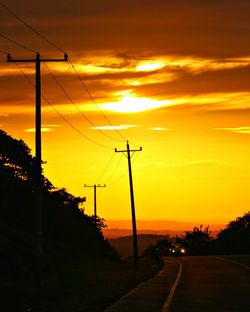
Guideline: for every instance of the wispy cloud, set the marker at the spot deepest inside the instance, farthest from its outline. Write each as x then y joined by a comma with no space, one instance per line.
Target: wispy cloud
189,164
44,128
120,127
204,163
240,130
159,129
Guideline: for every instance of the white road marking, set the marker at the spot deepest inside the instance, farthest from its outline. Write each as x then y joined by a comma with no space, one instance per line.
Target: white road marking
236,262
168,301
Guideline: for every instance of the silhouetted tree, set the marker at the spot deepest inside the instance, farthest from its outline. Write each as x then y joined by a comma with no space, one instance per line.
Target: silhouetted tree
197,242
163,246
69,234
235,238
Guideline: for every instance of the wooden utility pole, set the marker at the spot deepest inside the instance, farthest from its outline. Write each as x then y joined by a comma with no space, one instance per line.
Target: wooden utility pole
127,153
38,157
95,186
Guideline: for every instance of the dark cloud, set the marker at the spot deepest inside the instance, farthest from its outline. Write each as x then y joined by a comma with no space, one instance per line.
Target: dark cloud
131,31
204,28
216,81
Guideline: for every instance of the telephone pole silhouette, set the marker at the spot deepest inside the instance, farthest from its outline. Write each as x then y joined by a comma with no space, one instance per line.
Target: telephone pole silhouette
95,186
127,153
38,157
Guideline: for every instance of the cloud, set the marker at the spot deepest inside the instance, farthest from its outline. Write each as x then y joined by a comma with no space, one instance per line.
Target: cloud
120,127
159,129
44,128
130,45
240,130
189,164
227,80
204,163
206,28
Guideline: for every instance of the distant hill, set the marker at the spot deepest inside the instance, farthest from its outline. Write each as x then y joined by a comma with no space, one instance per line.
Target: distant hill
111,233
124,245
121,228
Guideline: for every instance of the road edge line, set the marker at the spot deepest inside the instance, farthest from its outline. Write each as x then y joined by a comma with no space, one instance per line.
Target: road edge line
236,262
168,301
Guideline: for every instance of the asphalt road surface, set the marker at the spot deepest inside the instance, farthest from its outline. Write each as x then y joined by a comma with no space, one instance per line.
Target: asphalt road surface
213,284
193,284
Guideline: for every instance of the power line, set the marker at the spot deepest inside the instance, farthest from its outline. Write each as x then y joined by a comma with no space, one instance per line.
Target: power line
123,174
106,168
4,52
18,44
77,74
30,27
93,100
73,103
61,116
114,171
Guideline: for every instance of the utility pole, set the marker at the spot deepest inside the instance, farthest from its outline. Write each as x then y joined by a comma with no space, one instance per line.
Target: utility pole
128,155
38,157
95,186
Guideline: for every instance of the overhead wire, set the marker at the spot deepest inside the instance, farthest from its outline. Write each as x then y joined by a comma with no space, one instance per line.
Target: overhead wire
105,169
61,116
76,106
94,101
124,139
114,171
125,171
30,27
78,76
20,45
4,52
63,51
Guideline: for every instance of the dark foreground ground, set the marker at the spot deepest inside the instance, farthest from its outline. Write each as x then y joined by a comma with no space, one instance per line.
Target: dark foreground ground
75,287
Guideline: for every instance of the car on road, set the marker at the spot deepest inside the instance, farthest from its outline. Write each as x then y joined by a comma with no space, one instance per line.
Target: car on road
177,250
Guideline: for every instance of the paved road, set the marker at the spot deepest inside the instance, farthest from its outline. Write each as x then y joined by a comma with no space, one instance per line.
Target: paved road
213,284
193,284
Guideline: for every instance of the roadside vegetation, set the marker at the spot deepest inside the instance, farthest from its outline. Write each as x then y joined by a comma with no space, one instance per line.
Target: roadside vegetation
232,240
80,270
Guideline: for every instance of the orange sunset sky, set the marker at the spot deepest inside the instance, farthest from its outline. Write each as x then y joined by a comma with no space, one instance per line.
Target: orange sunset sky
170,76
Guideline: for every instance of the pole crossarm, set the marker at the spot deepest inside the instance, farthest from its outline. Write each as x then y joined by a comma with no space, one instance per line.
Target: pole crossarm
95,185
125,151
10,59
128,155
